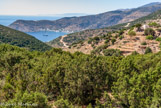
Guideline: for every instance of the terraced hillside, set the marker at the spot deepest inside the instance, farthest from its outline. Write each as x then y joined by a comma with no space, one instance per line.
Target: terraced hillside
136,39
84,35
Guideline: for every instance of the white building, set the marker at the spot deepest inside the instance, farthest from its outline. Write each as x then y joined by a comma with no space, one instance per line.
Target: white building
145,26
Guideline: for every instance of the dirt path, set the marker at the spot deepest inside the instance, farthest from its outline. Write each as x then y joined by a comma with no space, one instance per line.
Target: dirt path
61,40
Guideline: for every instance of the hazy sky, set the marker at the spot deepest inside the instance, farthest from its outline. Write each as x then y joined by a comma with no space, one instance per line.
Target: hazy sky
47,7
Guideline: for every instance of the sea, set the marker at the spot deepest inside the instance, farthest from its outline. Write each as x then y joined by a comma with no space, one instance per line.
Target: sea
44,36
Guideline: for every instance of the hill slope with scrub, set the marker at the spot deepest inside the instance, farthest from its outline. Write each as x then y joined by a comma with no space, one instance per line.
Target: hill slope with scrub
17,38
61,79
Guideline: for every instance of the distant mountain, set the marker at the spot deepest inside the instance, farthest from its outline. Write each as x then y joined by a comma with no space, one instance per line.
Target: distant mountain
17,38
74,24
84,35
64,15
152,4
70,14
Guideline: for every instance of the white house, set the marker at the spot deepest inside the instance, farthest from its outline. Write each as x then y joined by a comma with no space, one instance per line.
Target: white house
145,26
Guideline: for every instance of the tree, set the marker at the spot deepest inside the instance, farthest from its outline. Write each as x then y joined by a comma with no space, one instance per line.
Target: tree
135,53
108,102
144,43
31,100
149,31
148,50
157,96
61,103
132,33
113,41
112,52
138,26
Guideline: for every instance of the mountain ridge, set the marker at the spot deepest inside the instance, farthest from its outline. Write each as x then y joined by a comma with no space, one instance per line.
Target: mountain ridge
75,24
79,37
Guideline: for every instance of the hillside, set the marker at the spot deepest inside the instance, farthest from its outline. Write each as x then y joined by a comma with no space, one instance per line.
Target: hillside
126,41
84,35
74,24
59,79
17,38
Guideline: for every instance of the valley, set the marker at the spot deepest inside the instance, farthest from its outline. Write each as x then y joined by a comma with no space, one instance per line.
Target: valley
108,60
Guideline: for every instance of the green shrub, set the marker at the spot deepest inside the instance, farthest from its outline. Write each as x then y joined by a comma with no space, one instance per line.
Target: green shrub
89,41
150,37
107,41
149,31
148,50
113,41
132,33
30,100
135,53
79,78
121,37
99,49
160,46
143,43
63,104
96,38
109,103
112,52
138,26
89,106
121,32
158,39
153,24
116,36
132,28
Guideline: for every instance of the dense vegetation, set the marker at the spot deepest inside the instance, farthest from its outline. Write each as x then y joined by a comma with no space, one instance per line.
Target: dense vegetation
21,39
73,80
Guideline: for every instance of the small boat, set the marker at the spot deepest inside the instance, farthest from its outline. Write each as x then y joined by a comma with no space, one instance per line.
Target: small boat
45,35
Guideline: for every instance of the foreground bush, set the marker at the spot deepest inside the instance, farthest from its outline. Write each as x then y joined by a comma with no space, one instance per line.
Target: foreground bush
80,79
29,100
63,104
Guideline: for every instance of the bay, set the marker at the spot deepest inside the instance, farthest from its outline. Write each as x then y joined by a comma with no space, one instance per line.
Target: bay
44,36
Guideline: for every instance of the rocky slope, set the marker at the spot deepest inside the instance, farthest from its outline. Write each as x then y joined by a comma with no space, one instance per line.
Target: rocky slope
122,41
84,35
74,24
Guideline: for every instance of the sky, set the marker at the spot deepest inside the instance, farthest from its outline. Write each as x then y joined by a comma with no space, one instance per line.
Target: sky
51,7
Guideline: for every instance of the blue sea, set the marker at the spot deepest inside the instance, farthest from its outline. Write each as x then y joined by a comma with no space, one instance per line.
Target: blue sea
49,35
